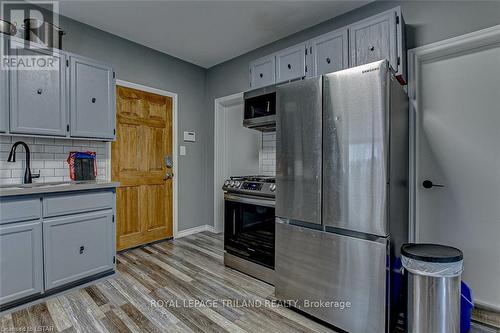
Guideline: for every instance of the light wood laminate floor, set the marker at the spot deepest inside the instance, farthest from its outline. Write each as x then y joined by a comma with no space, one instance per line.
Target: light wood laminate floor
174,274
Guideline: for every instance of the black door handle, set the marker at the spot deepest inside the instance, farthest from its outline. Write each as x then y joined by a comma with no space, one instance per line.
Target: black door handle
429,184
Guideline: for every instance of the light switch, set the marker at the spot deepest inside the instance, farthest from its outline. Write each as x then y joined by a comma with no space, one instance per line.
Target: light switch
182,150
189,136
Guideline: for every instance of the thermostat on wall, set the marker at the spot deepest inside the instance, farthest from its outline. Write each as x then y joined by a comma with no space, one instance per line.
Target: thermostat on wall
189,136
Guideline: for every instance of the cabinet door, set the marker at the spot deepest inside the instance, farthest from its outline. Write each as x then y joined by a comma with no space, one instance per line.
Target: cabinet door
77,246
374,39
21,269
92,95
291,63
262,72
4,97
38,97
330,52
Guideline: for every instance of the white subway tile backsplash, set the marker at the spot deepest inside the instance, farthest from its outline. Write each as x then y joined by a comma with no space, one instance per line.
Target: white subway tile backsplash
54,164
61,172
5,174
54,149
267,154
48,156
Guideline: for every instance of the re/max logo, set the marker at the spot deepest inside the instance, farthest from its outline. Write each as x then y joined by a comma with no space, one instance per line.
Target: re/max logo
370,70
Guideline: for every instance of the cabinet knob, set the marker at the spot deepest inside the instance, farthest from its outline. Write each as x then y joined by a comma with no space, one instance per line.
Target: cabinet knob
371,48
328,60
261,75
93,99
82,249
39,91
429,184
289,66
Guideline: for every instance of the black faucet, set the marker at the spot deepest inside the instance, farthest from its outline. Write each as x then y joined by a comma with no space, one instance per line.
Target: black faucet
28,178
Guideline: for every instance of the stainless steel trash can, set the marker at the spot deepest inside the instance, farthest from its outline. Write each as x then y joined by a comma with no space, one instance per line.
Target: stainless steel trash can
434,275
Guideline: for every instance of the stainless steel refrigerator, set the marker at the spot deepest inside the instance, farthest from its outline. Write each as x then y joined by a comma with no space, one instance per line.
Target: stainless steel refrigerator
342,194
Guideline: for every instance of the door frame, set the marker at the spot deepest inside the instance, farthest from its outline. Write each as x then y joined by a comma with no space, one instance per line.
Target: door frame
220,152
175,118
425,54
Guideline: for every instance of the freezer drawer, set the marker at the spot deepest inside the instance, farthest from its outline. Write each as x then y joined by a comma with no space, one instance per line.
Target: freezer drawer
313,265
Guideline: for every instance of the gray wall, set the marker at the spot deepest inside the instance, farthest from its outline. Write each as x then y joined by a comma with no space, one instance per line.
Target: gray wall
427,22
138,64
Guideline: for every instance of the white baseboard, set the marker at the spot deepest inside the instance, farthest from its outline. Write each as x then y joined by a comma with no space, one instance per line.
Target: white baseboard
195,230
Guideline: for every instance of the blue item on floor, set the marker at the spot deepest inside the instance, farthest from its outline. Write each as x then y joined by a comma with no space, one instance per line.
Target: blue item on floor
466,306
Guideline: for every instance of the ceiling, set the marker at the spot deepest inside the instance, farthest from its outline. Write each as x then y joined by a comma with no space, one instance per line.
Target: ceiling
207,32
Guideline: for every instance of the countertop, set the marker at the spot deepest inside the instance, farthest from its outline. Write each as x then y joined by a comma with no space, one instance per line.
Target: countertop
42,188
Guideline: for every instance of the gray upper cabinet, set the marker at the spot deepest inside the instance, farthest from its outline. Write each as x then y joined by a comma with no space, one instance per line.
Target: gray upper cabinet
77,246
4,97
291,63
21,271
378,37
38,97
262,72
330,52
92,99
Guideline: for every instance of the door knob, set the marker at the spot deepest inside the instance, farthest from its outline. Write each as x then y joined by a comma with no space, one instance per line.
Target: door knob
328,60
289,66
371,48
429,184
168,176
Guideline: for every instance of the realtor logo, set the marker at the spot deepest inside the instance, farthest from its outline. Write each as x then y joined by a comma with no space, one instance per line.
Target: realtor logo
35,31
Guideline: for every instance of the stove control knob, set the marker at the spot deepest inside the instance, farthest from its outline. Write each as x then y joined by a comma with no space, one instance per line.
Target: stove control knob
238,183
226,183
272,187
231,183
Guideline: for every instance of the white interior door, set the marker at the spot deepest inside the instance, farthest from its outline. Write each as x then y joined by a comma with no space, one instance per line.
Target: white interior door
458,146
237,149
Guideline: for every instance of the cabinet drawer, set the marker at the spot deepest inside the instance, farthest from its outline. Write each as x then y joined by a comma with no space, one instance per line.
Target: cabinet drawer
19,209
77,246
65,204
291,63
20,260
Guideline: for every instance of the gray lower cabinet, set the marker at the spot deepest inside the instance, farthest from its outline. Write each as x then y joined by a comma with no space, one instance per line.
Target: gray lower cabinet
291,63
330,52
38,97
51,240
4,97
21,267
77,246
92,95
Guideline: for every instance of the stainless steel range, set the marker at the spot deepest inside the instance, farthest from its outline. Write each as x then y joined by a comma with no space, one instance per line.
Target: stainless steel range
249,225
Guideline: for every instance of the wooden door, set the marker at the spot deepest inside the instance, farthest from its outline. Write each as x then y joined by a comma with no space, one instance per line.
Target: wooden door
143,140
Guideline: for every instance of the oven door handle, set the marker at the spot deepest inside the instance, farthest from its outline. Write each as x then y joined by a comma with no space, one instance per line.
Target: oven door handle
249,200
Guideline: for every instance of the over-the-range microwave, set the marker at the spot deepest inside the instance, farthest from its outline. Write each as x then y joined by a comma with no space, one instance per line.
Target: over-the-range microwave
260,109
